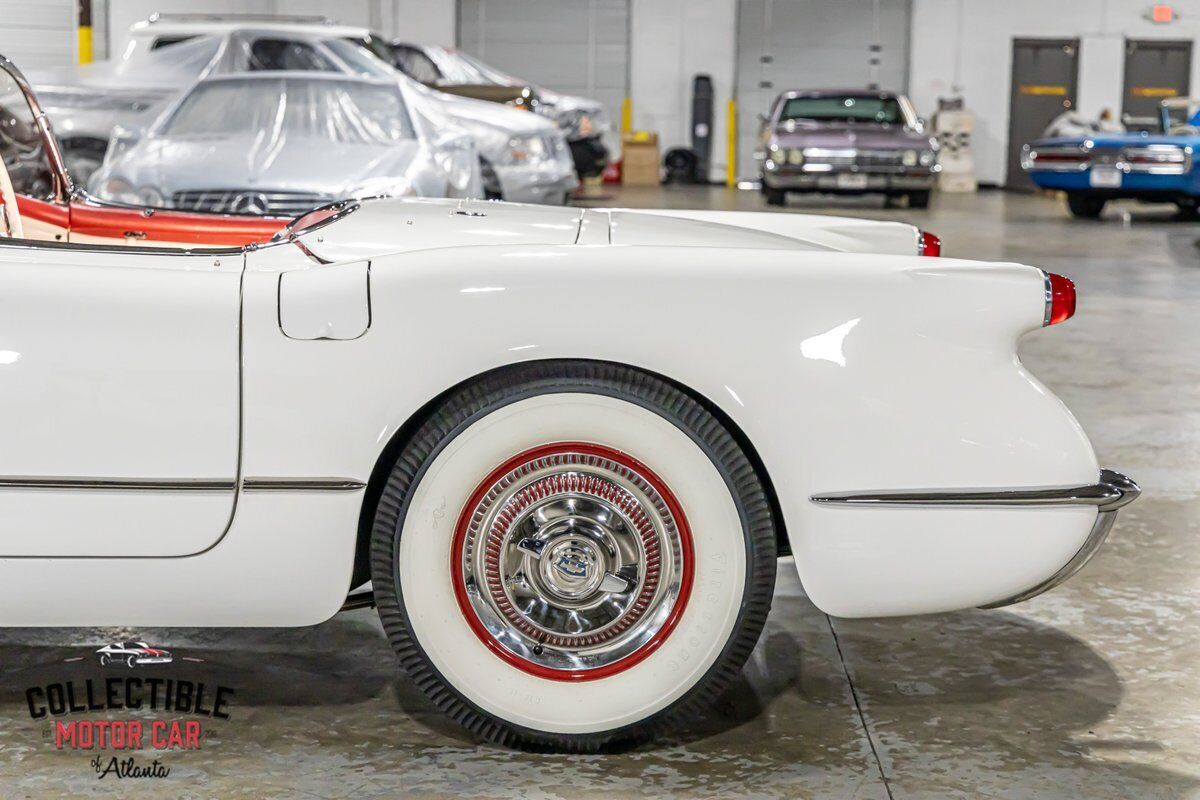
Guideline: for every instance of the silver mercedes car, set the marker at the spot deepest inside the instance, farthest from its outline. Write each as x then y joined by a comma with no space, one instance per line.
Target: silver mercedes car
281,143
523,157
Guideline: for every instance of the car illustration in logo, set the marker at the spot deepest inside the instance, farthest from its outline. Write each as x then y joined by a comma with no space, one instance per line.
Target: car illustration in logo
133,654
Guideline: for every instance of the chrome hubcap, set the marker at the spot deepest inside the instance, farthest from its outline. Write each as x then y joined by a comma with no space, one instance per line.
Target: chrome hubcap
572,559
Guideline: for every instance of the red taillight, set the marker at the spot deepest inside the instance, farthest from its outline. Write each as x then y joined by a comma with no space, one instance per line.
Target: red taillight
1060,299
931,245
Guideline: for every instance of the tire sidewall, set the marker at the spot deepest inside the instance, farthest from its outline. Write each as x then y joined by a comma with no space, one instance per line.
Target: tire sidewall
555,706
730,477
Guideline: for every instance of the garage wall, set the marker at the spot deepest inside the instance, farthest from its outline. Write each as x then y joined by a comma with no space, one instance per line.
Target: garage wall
420,21
123,13
578,47
37,34
814,44
670,42
966,46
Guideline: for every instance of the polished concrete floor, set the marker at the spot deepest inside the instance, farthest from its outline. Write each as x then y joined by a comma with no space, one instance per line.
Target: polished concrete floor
1091,691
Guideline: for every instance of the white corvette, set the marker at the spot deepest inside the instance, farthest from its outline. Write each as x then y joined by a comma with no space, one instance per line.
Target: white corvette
565,446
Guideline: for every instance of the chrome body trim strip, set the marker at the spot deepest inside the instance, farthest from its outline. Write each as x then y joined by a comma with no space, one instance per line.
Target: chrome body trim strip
302,485
1096,538
1049,298
1113,491
72,484
116,484
1128,491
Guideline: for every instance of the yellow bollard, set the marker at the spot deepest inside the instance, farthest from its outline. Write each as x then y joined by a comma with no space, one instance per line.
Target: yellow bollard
85,31
731,144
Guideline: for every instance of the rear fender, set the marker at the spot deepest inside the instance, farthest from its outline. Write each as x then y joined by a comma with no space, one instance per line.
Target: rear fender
846,372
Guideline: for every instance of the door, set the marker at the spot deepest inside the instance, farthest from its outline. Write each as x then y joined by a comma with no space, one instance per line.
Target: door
1154,71
814,44
1044,78
576,47
119,399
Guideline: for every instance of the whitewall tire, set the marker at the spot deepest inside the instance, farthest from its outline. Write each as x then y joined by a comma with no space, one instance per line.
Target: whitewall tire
568,555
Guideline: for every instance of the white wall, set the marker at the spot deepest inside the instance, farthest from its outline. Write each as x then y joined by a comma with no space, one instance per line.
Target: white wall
671,41
420,21
37,34
966,46
123,13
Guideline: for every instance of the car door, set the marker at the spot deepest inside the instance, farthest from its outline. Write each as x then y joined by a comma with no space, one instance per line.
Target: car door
119,399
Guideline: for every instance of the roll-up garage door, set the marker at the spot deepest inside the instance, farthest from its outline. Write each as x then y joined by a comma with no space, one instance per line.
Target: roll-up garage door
815,44
37,34
578,47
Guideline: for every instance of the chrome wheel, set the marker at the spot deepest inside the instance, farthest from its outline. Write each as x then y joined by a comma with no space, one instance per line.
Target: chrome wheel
572,561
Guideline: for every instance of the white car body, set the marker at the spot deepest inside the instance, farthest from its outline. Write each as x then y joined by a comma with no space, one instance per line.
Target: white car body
205,422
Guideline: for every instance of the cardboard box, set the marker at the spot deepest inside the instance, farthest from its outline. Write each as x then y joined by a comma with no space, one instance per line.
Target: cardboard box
640,159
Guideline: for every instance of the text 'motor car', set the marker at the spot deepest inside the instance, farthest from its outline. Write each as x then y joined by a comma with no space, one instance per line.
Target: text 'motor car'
565,446
846,143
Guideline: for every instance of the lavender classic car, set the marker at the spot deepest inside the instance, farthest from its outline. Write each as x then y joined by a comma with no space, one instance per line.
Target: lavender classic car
848,142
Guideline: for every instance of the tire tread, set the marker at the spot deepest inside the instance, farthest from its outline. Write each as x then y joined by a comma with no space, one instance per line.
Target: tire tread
485,394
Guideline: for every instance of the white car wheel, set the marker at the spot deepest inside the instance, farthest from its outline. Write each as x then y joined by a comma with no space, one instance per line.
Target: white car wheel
570,554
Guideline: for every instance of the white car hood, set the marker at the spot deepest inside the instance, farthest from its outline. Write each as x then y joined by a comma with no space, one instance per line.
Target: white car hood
402,224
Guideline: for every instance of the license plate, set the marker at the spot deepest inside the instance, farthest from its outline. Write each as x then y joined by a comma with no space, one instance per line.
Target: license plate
1106,177
852,181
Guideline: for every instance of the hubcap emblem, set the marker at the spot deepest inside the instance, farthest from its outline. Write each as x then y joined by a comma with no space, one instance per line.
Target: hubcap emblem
572,564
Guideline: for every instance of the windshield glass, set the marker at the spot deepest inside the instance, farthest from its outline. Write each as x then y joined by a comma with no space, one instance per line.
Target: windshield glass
459,68
275,54
342,111
360,60
373,45
21,144
843,108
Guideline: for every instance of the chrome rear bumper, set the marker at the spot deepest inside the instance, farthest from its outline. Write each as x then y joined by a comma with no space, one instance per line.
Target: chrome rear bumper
1109,494
1118,491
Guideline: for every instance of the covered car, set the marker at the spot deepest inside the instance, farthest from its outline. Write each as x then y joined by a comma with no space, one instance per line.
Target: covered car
87,101
583,120
1097,167
846,142
524,157
43,202
285,142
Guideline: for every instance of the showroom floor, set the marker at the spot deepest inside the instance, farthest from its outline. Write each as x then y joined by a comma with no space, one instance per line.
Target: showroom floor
1089,691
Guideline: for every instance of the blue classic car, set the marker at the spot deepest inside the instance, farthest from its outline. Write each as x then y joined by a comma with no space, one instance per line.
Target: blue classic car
1156,167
